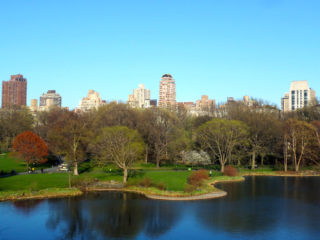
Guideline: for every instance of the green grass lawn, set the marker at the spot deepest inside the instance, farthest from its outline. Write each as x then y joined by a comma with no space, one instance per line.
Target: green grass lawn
102,175
34,181
173,180
7,164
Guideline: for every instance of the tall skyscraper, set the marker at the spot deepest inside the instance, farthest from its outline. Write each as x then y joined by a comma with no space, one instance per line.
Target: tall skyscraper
299,96
14,91
49,100
140,97
167,92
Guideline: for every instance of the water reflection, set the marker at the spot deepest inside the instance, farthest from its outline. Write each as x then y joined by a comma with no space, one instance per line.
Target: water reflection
27,207
259,208
263,204
114,215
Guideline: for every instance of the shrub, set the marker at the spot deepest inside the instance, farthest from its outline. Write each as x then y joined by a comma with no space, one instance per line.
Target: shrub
197,177
230,171
196,158
145,182
160,186
81,183
189,188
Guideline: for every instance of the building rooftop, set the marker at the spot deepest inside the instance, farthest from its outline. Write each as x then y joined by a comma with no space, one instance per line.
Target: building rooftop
167,75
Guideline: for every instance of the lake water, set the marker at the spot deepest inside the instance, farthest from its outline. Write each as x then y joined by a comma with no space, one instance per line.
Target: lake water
259,208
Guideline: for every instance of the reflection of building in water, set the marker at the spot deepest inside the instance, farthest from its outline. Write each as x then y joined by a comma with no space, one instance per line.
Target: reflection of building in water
92,101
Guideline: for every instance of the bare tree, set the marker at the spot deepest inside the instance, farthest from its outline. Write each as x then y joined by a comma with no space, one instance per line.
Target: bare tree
300,136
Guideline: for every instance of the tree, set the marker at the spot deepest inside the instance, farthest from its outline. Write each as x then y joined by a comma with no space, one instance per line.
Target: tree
68,136
30,147
160,130
316,125
221,136
263,131
13,120
121,145
299,135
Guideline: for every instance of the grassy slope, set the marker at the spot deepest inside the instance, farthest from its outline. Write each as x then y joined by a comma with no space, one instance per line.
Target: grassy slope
34,181
173,180
7,164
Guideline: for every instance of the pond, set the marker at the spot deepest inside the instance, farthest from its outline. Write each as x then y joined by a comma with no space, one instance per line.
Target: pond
259,208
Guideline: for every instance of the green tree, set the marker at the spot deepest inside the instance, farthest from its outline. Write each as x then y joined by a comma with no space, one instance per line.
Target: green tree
121,145
220,137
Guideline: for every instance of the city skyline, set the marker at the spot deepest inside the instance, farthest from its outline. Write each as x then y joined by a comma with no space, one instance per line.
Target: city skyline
34,101
219,49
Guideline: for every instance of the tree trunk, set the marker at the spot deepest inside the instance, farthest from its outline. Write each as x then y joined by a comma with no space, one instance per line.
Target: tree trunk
157,160
285,153
239,163
125,175
297,167
75,170
146,156
253,160
222,167
69,178
285,163
262,158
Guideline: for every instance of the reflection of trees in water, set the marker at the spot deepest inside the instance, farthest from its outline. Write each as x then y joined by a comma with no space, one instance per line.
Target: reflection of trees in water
242,210
161,216
261,203
27,206
68,216
114,215
118,215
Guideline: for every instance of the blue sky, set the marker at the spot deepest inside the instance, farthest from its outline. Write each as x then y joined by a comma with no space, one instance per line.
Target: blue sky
216,47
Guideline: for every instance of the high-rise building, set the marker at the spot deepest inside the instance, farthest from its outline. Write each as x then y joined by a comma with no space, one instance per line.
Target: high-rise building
285,103
153,102
299,96
140,97
14,91
34,105
167,92
92,101
49,100
205,106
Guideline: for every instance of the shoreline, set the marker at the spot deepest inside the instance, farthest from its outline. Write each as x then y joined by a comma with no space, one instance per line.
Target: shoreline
216,193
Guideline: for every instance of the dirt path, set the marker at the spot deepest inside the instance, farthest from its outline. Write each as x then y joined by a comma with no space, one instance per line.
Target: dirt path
190,198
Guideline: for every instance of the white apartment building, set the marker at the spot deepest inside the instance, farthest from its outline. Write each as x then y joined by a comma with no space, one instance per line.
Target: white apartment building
92,101
140,97
299,96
